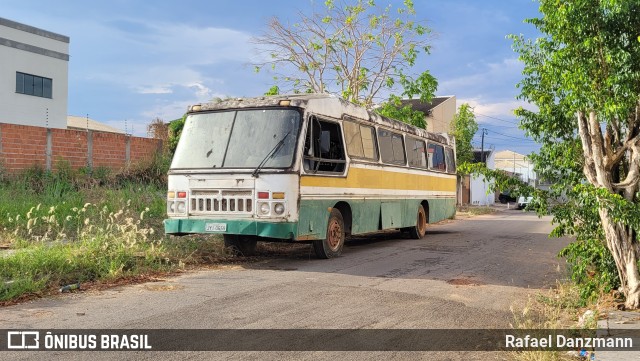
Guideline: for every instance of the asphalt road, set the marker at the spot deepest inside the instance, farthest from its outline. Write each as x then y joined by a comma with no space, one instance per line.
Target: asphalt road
464,274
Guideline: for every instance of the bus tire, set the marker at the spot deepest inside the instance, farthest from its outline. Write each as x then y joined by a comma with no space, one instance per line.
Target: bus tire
333,243
240,245
420,229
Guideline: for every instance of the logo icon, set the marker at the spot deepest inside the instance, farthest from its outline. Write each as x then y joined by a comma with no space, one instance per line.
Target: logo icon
23,340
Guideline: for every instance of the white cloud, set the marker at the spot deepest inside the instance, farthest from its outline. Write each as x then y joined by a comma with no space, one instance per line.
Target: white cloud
499,109
158,89
174,108
488,75
156,57
201,91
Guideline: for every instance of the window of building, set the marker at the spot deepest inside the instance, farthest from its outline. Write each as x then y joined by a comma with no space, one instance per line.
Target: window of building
360,140
436,157
34,85
416,153
391,147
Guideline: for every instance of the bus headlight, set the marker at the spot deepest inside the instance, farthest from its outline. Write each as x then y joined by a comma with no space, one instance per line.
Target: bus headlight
171,207
278,208
264,208
181,207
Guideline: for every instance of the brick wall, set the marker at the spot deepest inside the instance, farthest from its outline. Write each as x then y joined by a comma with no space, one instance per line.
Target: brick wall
70,145
109,150
23,146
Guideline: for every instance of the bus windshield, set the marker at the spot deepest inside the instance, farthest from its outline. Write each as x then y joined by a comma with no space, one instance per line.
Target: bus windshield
238,139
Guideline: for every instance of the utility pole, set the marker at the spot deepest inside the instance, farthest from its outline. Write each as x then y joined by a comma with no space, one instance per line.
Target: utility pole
484,132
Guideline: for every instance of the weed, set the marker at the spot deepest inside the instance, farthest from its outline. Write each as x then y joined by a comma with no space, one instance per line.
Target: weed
106,245
555,310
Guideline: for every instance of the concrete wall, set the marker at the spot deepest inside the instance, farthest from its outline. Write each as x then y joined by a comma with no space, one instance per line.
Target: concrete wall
479,186
37,52
441,116
23,146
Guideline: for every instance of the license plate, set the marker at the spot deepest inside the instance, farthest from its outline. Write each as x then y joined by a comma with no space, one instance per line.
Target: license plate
215,227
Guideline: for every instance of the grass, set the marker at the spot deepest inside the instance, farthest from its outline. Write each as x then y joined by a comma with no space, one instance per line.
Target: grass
558,309
64,228
470,211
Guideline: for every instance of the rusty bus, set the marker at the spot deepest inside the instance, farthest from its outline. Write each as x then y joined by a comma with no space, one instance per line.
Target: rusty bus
308,168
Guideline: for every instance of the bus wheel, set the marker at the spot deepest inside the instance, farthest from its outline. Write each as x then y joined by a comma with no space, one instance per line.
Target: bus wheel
332,245
420,229
240,245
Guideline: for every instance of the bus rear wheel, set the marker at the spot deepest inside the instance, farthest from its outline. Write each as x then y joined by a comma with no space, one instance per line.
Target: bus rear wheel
240,245
420,229
333,243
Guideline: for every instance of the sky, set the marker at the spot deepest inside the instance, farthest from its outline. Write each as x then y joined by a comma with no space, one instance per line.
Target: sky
132,61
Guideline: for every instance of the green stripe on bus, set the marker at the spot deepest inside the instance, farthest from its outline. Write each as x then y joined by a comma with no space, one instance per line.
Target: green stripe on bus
369,215
282,230
366,216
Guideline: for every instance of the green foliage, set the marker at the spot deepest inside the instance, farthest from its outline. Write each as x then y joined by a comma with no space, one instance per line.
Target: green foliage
394,109
423,88
151,171
175,129
354,49
463,128
274,90
591,267
583,75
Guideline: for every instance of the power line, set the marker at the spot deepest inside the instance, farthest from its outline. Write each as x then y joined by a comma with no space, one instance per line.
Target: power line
510,136
502,120
502,137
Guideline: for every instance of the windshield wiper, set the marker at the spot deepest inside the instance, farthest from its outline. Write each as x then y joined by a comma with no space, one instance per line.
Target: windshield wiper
270,154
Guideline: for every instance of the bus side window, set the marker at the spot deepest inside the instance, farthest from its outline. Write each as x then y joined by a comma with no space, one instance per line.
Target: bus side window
323,149
451,161
436,157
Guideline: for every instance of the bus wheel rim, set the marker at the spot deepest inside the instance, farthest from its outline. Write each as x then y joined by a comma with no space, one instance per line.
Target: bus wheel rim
333,238
422,222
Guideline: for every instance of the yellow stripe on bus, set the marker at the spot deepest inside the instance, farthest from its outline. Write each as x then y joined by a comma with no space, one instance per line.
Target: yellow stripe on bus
380,179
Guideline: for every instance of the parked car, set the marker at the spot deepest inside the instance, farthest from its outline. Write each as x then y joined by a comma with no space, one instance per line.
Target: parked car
505,197
523,202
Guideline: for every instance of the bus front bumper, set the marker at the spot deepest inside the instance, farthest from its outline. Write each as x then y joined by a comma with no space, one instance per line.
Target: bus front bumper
282,230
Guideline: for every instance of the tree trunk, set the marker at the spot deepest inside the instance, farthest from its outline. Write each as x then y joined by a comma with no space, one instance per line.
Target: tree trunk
620,243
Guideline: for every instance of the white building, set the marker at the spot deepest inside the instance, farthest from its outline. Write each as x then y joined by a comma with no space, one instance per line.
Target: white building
34,69
479,186
516,163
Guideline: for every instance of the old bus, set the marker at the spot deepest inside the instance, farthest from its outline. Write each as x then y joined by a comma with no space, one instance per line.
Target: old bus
309,168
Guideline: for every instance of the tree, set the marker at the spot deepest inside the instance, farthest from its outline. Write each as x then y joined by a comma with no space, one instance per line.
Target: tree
463,128
175,130
583,74
158,129
356,51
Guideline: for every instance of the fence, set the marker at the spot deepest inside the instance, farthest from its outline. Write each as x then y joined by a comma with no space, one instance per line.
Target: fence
23,146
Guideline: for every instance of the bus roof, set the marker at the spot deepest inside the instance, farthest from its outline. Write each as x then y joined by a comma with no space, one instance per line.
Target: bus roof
321,104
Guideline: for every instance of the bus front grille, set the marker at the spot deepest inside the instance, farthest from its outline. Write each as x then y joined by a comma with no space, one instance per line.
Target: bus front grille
221,202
